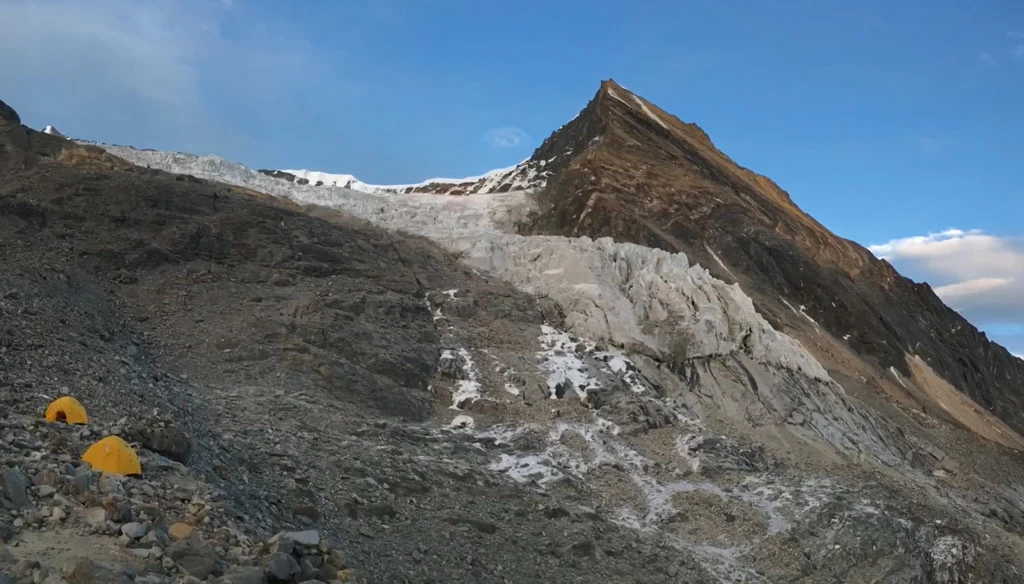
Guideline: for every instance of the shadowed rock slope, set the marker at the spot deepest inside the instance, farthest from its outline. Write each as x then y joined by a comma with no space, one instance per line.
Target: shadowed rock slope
626,169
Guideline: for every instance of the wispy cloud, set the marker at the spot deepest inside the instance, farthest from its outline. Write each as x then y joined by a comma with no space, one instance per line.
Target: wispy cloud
980,275
159,67
985,61
507,137
146,50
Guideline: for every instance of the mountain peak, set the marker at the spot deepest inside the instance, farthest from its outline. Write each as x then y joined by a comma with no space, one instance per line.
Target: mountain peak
7,113
626,169
53,131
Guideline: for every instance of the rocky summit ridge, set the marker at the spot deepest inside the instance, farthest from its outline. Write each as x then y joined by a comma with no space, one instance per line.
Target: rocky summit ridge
575,379
626,169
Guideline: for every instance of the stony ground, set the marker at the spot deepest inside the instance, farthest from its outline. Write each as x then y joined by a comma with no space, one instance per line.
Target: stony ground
297,355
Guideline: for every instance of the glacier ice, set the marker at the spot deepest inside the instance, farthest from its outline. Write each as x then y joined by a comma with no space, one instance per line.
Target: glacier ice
633,296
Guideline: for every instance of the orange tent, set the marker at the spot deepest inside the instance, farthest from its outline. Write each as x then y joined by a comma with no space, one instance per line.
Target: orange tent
67,409
113,455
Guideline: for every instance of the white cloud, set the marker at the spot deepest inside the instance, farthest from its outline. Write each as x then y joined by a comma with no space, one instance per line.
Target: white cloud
971,287
507,137
1018,51
979,275
149,70
985,61
149,50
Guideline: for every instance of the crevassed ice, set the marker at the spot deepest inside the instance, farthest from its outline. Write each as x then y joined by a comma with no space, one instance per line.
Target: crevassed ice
633,296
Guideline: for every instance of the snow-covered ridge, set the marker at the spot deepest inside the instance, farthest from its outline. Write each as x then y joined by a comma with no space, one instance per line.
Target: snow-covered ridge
53,131
523,176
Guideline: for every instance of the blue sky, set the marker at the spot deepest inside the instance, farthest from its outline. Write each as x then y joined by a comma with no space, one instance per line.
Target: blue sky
896,124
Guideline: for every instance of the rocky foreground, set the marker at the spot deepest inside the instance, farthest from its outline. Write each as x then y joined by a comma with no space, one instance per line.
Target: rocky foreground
69,523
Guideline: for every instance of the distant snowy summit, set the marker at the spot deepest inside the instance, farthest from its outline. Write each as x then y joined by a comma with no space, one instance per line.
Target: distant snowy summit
53,131
527,175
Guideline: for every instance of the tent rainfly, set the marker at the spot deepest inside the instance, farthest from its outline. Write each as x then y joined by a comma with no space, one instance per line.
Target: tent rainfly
113,455
67,409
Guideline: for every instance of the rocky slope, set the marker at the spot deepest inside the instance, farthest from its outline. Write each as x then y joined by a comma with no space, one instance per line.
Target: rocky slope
626,169
654,417
297,353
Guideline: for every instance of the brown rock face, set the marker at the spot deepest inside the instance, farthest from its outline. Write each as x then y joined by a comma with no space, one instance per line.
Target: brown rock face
626,169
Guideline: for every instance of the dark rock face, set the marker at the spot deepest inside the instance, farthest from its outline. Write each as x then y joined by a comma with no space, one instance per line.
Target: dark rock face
316,295
627,170
8,114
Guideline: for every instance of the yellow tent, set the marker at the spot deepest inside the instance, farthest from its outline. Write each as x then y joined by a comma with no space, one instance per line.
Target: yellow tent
113,455
67,409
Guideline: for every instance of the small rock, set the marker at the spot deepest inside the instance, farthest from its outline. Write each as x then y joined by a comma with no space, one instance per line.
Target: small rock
307,570
327,573
79,485
282,568
95,516
53,578
200,566
46,478
134,530
58,514
46,491
86,571
180,531
15,485
346,575
336,558
156,537
245,575
25,567
6,533
583,548
282,544
306,510
309,538
167,441
119,510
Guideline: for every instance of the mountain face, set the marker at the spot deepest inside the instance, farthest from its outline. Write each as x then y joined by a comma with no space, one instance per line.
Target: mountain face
628,170
523,385
304,356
